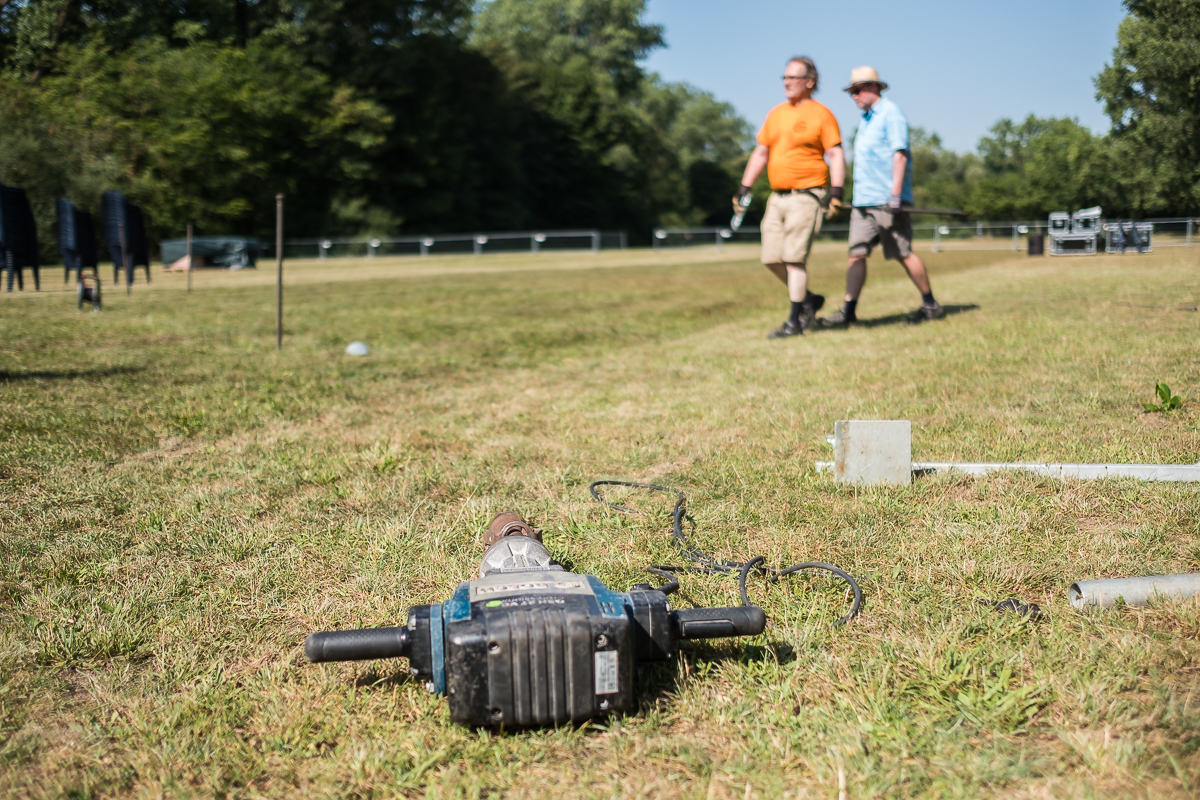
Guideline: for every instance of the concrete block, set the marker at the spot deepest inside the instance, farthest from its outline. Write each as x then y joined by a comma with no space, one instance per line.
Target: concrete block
872,452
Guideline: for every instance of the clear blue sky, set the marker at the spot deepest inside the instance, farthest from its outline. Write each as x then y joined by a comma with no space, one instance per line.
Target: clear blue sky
954,67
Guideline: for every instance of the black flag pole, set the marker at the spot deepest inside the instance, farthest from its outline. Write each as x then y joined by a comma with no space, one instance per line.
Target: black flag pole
189,254
279,272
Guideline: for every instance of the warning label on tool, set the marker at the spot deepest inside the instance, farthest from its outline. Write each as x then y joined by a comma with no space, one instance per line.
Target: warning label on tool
538,583
606,672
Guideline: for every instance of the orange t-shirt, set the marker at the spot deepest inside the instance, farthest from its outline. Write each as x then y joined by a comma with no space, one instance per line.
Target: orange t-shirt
798,137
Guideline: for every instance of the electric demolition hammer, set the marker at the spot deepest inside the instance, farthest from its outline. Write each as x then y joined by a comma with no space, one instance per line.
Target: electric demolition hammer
530,644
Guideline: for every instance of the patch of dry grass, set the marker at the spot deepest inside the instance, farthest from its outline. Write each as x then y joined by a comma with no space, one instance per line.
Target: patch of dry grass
180,505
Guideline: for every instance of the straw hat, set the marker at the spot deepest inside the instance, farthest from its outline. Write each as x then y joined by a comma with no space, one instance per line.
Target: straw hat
861,75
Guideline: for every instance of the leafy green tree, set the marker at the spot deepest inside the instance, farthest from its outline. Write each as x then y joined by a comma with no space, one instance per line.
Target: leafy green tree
1152,95
1038,166
576,63
32,30
941,177
705,143
656,153
604,38
467,152
374,115
339,36
205,133
49,161
37,31
345,38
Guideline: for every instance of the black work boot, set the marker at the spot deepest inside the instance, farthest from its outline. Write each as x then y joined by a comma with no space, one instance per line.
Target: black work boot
812,304
788,328
927,311
838,319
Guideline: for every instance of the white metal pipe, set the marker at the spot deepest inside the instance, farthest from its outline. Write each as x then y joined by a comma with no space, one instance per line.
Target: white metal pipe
1145,472
1134,591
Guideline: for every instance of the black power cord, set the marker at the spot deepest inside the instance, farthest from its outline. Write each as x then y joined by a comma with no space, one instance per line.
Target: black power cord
710,567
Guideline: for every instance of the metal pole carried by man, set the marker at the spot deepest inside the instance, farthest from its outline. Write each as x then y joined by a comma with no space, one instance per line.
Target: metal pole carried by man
792,146
882,193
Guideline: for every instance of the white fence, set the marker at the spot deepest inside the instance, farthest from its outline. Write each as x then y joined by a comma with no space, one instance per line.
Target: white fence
454,244
1168,232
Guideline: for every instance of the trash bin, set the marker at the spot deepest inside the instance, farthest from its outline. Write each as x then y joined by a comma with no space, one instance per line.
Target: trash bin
1037,244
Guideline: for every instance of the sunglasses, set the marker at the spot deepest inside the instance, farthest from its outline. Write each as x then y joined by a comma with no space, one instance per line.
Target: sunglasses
787,78
859,89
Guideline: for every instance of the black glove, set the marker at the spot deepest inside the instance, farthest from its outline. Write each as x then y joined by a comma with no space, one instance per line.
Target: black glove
741,200
833,203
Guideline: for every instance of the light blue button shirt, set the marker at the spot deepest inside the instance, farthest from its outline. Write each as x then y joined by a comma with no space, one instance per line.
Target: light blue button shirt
883,131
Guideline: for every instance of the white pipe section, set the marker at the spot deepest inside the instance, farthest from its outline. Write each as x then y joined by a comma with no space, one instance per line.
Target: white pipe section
1145,472
1135,591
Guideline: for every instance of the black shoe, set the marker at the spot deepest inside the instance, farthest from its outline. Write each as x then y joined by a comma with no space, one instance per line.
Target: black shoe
808,313
787,329
925,312
837,319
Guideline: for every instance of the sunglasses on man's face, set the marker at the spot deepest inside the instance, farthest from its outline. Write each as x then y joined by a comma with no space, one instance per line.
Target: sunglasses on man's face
858,90
787,78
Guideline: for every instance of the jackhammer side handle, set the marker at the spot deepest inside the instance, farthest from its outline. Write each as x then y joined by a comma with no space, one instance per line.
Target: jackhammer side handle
714,623
360,645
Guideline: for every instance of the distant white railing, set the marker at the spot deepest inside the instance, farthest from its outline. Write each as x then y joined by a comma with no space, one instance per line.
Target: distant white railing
456,243
1007,235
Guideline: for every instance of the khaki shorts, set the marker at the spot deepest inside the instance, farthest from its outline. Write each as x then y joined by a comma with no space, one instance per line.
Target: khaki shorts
872,226
789,226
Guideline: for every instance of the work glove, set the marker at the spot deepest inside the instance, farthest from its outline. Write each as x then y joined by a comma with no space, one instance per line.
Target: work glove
833,203
741,200
894,203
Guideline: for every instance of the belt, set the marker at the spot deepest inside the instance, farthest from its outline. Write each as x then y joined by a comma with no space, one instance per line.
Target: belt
823,202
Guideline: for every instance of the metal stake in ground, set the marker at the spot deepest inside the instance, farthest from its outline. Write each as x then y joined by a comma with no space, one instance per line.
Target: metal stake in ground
125,259
279,272
189,245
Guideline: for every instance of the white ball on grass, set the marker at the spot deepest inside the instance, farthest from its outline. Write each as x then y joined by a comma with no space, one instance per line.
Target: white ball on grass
357,349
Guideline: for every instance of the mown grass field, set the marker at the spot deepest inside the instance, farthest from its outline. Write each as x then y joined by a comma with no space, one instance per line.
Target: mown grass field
180,505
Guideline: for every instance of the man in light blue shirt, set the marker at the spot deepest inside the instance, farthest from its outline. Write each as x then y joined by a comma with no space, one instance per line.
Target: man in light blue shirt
882,187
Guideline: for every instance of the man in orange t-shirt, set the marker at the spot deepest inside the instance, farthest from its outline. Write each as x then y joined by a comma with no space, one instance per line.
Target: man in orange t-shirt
793,144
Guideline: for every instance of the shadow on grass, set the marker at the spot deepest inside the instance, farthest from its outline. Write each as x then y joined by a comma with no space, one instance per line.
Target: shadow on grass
68,374
902,319
563,561
657,682
401,677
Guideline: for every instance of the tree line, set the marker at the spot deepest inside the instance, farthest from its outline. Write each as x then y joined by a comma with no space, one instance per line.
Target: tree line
388,116
372,116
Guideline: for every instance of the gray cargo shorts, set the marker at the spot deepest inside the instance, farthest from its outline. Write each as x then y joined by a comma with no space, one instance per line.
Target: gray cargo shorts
872,226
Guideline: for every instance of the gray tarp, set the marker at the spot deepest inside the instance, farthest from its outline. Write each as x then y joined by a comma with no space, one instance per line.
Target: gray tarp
234,252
